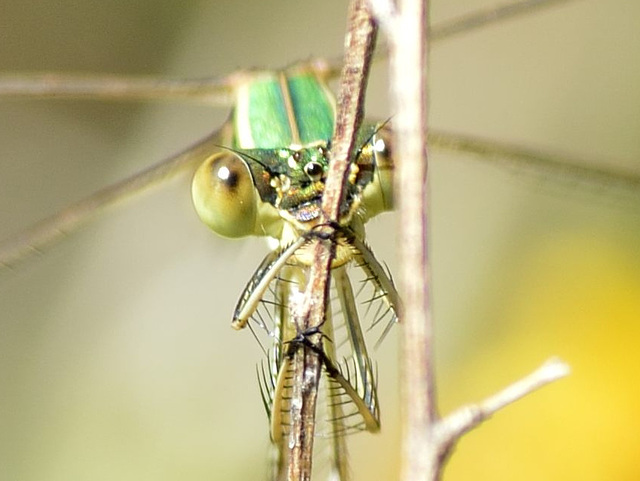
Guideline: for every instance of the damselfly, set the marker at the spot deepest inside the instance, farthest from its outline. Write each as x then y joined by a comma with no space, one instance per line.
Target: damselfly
270,182
87,352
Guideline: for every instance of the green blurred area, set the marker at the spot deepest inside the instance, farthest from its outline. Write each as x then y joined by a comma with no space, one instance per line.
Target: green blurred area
116,356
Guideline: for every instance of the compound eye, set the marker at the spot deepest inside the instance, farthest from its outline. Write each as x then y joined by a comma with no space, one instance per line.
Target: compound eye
378,195
314,170
224,195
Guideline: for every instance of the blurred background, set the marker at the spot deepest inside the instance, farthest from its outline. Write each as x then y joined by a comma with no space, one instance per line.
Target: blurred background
117,360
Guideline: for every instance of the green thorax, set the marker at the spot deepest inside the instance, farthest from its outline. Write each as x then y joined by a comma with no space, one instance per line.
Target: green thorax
283,109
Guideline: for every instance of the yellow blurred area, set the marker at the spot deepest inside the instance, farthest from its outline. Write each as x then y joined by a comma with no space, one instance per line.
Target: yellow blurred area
578,299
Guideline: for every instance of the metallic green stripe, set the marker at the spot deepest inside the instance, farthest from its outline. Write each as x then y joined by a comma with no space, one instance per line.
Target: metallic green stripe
313,109
261,118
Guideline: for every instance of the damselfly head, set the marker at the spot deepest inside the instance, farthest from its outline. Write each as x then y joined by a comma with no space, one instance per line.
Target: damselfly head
292,180
271,178
257,191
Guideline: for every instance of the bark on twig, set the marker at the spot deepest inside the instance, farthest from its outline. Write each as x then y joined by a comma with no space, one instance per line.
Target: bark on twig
359,43
427,439
406,35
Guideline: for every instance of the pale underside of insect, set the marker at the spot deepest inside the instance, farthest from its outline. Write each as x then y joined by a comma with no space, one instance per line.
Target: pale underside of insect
222,314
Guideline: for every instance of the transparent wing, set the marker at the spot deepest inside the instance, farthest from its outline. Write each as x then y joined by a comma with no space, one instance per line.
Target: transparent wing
354,318
40,236
212,91
536,162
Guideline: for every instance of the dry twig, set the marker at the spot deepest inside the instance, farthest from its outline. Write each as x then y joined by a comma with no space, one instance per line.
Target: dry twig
309,316
427,439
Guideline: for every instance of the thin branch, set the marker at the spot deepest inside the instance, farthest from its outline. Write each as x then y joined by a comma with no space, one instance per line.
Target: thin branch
406,29
427,438
43,234
309,316
450,429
